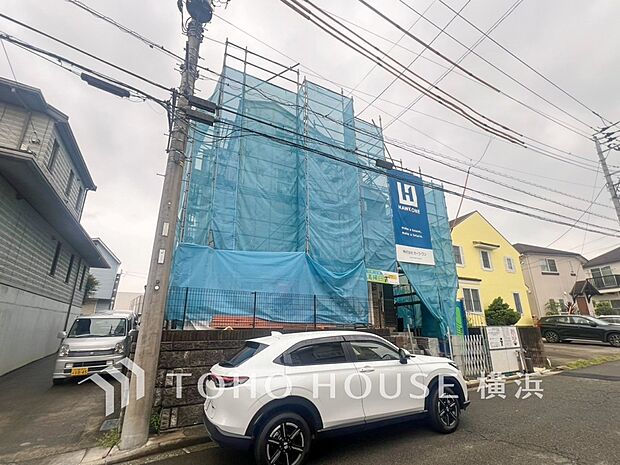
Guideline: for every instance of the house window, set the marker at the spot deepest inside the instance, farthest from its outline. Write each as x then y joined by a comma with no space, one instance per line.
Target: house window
53,156
56,257
510,265
69,183
548,265
78,201
603,277
485,258
457,250
471,299
518,305
71,260
82,278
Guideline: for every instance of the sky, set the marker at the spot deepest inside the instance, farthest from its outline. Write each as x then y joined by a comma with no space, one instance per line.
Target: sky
571,42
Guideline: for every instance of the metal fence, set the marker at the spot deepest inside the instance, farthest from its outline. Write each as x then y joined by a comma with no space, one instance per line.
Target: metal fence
471,354
199,308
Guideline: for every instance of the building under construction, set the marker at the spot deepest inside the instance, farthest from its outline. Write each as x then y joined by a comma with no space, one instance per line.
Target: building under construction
286,218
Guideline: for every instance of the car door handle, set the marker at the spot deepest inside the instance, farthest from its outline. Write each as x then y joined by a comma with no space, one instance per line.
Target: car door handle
367,370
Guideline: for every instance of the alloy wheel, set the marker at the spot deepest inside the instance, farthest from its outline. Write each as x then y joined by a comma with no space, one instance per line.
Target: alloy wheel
552,336
614,340
285,444
448,410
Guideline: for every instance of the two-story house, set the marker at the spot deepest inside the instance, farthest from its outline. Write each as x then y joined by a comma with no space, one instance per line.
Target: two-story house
488,267
45,253
604,273
551,276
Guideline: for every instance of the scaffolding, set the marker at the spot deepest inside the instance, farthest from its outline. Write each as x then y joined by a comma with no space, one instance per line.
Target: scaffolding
276,185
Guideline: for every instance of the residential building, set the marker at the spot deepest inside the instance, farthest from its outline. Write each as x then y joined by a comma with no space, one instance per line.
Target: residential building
551,276
604,273
129,301
278,235
45,253
488,267
108,279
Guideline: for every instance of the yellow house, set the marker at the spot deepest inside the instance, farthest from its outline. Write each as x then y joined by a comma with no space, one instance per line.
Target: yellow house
488,267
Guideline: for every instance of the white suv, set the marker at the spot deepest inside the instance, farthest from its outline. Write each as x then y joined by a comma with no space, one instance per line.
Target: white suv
279,392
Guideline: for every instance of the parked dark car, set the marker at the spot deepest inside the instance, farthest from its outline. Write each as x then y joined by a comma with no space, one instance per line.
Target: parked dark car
610,319
560,328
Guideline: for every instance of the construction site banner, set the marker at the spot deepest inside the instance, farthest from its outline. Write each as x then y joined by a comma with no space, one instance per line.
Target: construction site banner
411,229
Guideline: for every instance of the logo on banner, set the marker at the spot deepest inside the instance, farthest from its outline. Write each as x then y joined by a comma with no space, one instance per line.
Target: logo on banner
407,195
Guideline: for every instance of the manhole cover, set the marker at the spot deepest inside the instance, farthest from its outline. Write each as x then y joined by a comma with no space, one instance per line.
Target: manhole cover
109,425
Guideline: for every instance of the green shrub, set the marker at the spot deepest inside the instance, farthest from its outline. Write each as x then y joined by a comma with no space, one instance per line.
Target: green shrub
499,313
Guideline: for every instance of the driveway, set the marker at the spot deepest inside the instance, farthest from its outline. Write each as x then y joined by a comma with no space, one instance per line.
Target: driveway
574,423
565,352
38,420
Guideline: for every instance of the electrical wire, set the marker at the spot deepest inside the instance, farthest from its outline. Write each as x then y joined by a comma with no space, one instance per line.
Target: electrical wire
513,79
494,127
389,86
318,75
568,94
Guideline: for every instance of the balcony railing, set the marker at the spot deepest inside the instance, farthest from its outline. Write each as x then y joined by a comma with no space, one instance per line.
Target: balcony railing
610,281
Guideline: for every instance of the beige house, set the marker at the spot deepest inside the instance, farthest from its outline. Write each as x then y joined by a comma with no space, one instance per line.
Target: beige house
551,277
604,273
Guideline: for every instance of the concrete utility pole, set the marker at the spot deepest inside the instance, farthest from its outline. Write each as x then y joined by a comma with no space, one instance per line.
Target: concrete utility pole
136,421
611,185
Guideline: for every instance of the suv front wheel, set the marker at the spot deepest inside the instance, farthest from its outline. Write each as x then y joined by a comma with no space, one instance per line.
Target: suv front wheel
444,411
283,440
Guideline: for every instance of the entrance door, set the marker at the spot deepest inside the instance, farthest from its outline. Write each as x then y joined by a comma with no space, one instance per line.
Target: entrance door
582,305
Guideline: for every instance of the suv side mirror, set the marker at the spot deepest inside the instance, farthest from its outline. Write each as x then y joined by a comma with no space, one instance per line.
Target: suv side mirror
133,332
61,334
404,355
593,324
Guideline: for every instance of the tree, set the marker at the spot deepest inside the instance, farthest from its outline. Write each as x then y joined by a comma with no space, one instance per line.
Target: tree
499,313
552,307
91,286
603,308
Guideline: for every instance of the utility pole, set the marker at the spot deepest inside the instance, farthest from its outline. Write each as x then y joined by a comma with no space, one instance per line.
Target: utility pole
136,420
611,185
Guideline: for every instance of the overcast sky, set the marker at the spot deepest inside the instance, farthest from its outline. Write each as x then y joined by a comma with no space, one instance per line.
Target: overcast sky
572,42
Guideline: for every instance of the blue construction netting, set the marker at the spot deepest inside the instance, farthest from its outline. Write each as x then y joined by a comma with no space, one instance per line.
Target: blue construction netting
292,220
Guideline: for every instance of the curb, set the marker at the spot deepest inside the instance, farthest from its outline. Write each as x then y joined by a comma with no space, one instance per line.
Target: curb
155,445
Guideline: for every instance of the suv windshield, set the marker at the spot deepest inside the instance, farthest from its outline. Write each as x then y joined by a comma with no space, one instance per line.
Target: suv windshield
98,327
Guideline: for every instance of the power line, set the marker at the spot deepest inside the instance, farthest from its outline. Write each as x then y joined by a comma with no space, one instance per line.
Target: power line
429,185
8,59
83,52
494,128
568,94
380,94
469,50
58,57
316,74
414,149
516,81
394,45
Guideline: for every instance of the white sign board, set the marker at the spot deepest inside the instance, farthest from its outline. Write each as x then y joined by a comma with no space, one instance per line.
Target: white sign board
505,348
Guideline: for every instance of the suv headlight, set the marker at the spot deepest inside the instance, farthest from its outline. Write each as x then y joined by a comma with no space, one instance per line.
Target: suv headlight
119,348
64,350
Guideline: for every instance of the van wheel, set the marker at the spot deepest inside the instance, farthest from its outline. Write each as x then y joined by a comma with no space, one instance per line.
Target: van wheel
283,440
444,411
552,336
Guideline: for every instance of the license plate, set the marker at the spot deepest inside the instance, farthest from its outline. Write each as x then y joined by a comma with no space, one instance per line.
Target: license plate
79,371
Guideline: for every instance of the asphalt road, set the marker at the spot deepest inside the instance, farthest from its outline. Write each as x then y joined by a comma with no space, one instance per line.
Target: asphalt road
565,352
39,420
576,422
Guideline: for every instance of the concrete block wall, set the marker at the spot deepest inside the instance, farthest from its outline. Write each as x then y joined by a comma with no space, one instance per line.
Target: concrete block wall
194,352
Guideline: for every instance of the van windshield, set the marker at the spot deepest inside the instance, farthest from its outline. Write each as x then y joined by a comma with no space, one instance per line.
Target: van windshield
98,327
